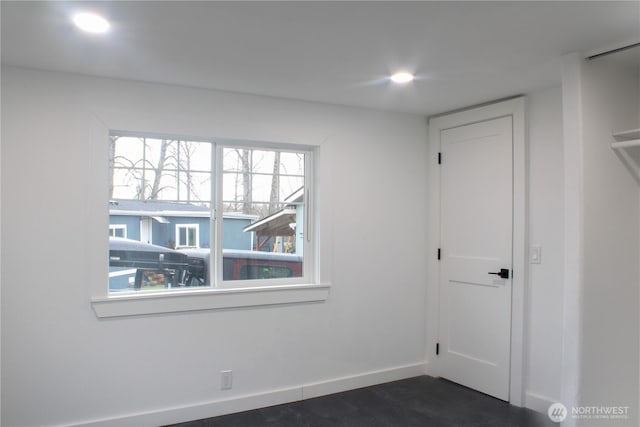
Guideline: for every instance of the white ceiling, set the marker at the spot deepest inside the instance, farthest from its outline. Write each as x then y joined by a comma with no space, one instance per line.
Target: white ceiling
463,53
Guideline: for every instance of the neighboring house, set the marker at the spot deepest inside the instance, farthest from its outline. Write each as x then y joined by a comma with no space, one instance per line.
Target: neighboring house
175,225
281,227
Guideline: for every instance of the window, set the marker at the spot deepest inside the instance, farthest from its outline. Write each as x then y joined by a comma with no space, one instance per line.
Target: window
118,230
269,186
207,214
187,236
159,169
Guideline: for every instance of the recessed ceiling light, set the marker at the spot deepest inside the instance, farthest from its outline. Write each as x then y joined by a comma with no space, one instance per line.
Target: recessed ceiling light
402,77
91,23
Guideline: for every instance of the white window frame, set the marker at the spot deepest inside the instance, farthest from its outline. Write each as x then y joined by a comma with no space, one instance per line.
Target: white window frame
114,227
187,227
221,294
308,265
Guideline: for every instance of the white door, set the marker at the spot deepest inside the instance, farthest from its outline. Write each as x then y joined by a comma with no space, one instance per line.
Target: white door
146,227
476,221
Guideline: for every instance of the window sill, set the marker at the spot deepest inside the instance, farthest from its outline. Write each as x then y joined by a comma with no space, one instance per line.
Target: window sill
206,299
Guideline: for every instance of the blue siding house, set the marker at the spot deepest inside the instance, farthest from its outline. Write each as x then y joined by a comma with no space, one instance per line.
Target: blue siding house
176,225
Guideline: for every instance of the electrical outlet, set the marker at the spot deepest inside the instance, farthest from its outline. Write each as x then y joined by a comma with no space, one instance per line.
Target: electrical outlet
226,380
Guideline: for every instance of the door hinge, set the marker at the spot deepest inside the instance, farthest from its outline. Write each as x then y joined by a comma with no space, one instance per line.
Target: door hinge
437,349
439,158
438,254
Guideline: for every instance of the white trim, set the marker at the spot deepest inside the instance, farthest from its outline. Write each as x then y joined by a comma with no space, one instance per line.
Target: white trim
538,402
199,411
187,227
352,382
520,251
115,227
310,265
254,225
185,300
217,228
160,219
515,108
248,294
238,215
258,400
181,214
573,288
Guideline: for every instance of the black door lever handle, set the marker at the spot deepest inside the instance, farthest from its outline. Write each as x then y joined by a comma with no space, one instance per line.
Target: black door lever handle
503,273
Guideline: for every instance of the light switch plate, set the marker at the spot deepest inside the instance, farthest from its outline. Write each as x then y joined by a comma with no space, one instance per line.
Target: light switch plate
535,255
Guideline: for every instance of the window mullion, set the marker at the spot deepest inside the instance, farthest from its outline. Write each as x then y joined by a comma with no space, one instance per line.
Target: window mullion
215,231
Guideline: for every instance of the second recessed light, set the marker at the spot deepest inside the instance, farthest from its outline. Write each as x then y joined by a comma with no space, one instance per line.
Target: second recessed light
402,77
91,23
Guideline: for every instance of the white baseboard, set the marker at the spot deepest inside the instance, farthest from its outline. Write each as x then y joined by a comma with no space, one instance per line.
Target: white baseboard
200,410
337,385
538,402
259,400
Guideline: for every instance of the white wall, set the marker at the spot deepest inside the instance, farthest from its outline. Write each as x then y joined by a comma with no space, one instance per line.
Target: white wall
609,368
601,322
546,229
62,365
0,251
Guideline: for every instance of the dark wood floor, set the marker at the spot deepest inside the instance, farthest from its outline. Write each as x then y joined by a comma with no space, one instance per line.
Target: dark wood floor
421,401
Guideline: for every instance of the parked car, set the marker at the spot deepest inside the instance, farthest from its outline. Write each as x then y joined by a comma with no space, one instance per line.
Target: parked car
134,264
137,265
242,265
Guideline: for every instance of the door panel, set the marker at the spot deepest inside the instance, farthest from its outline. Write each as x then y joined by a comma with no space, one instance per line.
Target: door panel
146,227
476,239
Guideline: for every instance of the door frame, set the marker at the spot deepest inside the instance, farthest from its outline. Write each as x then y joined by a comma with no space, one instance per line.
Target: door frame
515,108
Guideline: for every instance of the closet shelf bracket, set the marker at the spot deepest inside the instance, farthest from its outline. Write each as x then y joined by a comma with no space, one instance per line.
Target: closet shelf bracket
626,145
